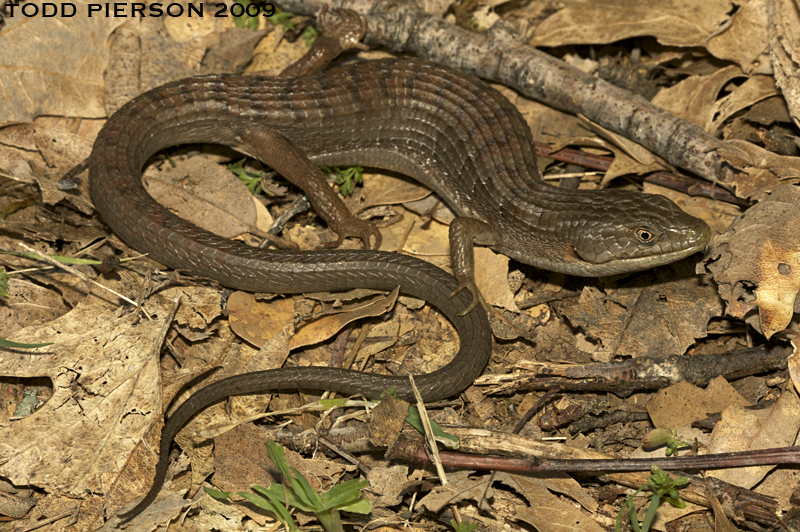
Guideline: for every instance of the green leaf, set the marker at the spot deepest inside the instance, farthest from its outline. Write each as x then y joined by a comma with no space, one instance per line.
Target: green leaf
361,506
276,508
244,20
415,421
278,457
309,35
346,177
301,495
284,495
58,258
252,180
681,481
391,391
9,343
218,494
331,520
651,513
284,18
632,514
342,493
331,403
676,502
463,526
308,491
4,283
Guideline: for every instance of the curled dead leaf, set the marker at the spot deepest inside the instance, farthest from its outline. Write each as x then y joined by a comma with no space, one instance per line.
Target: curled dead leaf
756,263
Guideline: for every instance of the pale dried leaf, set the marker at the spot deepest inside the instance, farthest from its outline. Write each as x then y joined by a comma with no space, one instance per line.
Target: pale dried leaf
387,485
39,75
794,366
259,321
209,196
672,22
429,241
784,42
694,99
684,403
324,328
760,249
103,370
460,488
274,53
491,276
721,521
548,512
632,149
745,40
380,189
745,430
752,91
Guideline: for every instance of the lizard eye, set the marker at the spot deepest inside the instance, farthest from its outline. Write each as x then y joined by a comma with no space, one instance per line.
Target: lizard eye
645,236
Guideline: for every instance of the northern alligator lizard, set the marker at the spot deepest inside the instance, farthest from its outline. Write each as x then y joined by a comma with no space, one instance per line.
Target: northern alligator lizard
445,128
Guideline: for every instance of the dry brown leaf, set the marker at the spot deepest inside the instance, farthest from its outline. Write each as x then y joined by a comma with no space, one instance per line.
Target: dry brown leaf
429,241
29,304
241,460
387,485
741,429
259,321
548,512
684,403
632,149
776,482
491,276
760,170
672,22
323,328
721,521
103,370
42,76
209,196
625,165
61,149
380,189
232,51
745,40
566,485
646,318
760,250
784,43
695,98
749,93
221,417
269,59
629,157
743,155
536,490
460,488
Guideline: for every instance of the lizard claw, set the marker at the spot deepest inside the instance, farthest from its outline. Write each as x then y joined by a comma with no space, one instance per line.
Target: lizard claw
357,228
